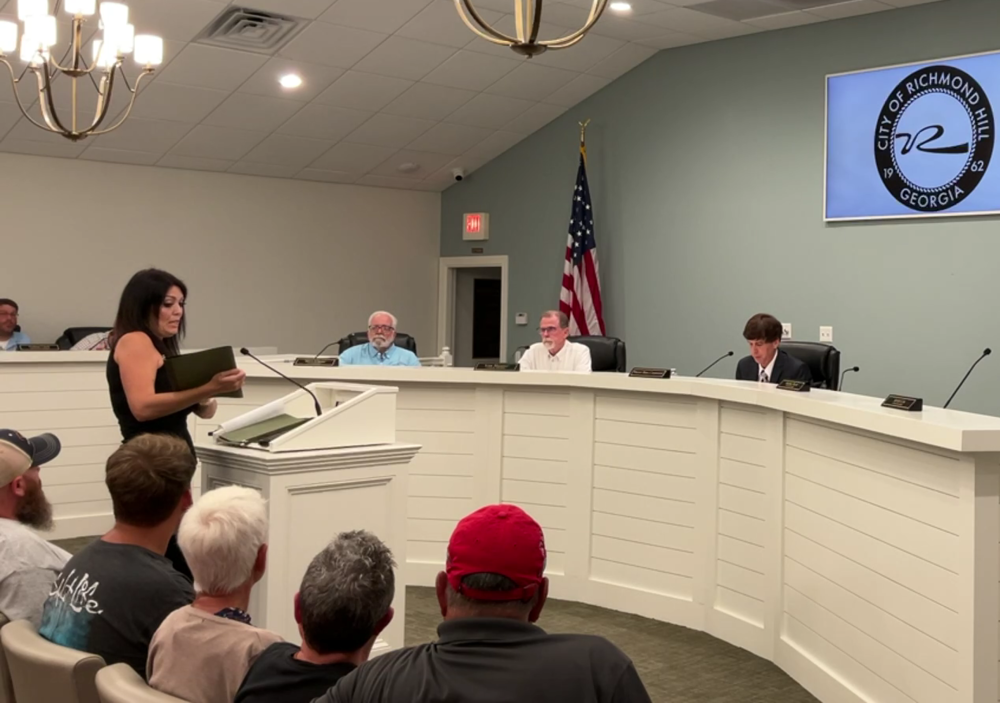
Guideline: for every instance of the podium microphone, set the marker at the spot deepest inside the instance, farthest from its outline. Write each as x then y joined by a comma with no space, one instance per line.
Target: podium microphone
325,348
728,353
319,409
846,371
986,352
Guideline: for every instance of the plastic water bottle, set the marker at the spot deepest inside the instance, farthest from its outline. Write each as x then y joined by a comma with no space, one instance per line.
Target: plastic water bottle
447,357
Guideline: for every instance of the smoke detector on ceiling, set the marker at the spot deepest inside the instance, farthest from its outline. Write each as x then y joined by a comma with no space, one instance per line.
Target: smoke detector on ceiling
244,29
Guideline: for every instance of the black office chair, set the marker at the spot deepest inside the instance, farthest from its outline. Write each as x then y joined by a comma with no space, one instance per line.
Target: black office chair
822,359
403,341
606,353
72,335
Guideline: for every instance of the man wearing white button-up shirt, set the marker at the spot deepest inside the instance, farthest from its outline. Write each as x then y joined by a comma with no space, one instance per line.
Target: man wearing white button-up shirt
555,352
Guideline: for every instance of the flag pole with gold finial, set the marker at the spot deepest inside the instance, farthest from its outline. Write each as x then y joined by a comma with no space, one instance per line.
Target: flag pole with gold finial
583,138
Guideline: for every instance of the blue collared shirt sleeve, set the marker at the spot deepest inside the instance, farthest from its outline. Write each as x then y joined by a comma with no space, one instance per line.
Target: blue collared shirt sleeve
408,358
350,357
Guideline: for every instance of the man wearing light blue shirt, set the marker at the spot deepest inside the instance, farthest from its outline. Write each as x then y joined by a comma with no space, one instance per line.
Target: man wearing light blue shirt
10,336
380,350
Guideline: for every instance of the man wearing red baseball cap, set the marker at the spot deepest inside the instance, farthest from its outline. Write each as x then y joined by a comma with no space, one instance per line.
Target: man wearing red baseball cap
488,650
28,564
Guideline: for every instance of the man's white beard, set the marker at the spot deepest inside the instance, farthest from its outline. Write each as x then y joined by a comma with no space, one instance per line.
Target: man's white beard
548,343
380,343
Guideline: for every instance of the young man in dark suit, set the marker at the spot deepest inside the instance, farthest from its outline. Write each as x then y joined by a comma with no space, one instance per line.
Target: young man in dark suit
767,363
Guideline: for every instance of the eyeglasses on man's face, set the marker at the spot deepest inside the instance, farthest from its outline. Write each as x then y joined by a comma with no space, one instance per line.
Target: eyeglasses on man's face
381,329
547,330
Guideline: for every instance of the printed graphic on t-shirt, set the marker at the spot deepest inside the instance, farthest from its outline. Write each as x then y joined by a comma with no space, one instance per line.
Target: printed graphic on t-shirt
70,610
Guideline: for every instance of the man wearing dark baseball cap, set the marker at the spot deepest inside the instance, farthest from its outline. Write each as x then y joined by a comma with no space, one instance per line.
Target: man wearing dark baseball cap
28,564
491,592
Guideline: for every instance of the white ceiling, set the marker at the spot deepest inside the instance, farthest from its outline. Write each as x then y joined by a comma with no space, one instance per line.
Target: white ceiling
386,82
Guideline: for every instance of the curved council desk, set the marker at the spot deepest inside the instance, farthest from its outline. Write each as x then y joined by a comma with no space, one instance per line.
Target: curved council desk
856,547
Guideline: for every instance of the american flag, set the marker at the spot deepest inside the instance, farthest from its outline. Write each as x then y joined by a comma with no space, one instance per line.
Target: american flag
580,297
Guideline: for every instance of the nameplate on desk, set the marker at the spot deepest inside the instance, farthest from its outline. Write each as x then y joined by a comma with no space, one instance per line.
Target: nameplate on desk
904,402
38,347
645,372
309,361
792,385
497,367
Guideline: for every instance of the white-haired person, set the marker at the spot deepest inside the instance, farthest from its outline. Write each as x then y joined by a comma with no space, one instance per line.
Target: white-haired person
201,652
381,349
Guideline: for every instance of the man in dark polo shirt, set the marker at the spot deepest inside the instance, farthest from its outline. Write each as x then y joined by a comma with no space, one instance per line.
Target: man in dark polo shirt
488,650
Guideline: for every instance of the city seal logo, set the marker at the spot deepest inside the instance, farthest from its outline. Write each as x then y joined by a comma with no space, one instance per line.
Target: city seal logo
934,138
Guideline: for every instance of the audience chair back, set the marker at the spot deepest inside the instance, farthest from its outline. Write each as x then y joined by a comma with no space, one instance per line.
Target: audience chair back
403,341
45,672
6,688
119,683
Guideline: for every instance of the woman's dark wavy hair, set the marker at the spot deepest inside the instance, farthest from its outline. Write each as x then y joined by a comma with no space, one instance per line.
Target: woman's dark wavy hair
140,304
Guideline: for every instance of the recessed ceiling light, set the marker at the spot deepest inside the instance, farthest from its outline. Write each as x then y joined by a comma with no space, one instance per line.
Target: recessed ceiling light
290,80
408,167
621,6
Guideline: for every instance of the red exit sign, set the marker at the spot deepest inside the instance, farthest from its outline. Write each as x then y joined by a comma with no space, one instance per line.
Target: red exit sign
476,226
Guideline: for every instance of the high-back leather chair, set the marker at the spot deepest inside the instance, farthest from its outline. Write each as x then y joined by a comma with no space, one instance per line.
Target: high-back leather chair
119,683
72,335
6,688
606,353
403,341
43,672
822,359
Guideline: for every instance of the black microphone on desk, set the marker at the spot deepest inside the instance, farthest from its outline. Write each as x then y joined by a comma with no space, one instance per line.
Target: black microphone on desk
728,353
986,352
325,348
846,371
319,409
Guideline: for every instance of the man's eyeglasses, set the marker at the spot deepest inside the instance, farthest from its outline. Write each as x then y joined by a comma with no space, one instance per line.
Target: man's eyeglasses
548,330
8,314
381,328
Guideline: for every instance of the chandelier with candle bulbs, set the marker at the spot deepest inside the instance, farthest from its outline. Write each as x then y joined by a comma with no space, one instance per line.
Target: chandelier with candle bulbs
528,21
104,70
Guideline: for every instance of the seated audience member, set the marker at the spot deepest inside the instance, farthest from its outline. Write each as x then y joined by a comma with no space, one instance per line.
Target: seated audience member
344,602
767,363
555,352
98,341
488,650
380,350
28,564
112,596
9,337
202,651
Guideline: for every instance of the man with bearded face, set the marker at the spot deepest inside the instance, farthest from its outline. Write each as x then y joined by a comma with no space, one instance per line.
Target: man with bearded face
381,349
28,564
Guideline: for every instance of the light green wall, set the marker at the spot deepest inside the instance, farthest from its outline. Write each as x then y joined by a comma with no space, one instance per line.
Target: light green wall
706,167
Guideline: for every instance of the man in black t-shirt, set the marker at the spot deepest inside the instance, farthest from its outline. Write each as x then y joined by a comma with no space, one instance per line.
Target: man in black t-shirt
488,649
111,597
344,602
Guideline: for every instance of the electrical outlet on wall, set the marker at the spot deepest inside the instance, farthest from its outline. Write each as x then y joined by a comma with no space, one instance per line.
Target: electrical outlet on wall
826,334
786,330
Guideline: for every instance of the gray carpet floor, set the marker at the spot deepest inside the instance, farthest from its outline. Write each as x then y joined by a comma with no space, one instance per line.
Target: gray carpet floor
677,665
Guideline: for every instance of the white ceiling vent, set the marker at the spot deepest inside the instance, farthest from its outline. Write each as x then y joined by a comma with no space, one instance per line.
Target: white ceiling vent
244,29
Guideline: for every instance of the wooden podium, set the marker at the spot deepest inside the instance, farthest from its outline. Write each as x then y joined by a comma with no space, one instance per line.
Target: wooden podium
340,471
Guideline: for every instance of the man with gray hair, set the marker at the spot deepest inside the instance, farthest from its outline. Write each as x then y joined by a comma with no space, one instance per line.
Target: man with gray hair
344,602
380,350
555,352
202,651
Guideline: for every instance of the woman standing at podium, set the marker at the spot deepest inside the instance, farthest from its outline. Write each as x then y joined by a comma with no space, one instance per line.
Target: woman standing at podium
147,330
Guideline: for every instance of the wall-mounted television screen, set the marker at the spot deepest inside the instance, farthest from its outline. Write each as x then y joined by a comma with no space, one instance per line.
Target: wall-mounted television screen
913,141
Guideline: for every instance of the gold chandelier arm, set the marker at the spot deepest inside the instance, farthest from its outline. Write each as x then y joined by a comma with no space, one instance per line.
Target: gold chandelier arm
484,30
570,39
46,102
17,96
128,110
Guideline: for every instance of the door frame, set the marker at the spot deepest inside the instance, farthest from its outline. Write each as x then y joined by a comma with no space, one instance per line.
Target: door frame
448,269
